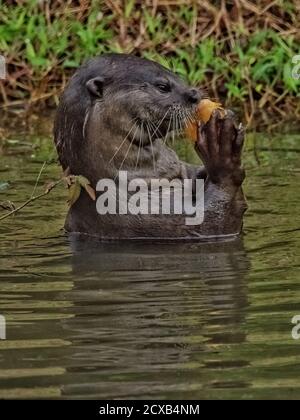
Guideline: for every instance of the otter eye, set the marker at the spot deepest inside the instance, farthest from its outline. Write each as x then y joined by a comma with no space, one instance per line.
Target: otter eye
163,87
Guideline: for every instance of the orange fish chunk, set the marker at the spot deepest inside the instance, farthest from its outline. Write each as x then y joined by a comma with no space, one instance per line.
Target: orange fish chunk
204,112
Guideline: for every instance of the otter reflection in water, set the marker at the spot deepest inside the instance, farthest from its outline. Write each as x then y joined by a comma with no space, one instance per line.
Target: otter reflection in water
115,114
155,319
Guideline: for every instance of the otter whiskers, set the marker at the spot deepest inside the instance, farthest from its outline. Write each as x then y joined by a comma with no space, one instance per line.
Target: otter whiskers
161,121
125,138
167,133
128,149
151,145
140,145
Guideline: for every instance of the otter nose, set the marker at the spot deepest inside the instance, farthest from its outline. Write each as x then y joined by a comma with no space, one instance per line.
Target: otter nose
193,96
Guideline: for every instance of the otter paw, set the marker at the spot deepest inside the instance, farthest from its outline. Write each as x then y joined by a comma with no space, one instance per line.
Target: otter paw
219,144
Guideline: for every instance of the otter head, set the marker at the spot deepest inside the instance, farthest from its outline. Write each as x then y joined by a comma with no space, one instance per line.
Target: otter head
122,98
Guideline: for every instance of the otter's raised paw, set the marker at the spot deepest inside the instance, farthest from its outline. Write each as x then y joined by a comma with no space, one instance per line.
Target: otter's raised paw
219,145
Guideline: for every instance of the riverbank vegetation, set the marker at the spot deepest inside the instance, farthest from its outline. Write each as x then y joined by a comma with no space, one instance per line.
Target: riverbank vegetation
240,50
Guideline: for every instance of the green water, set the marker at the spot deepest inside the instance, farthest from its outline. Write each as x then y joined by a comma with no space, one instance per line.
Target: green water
144,320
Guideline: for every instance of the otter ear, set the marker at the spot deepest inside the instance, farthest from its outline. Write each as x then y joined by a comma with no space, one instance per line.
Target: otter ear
95,86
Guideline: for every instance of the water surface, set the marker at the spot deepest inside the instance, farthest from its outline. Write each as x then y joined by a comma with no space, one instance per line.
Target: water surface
90,320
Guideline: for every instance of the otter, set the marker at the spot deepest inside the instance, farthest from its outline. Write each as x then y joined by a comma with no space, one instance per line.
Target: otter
115,114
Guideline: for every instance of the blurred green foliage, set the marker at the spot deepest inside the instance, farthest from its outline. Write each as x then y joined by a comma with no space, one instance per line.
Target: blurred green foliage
241,56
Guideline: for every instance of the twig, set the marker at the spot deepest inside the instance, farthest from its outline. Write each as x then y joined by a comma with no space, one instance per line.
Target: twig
31,199
38,178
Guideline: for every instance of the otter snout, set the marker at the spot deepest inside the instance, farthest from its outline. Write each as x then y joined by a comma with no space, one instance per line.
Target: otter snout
192,96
